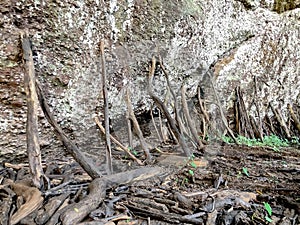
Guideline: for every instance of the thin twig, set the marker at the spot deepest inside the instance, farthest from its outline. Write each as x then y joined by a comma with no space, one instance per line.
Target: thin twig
118,143
106,112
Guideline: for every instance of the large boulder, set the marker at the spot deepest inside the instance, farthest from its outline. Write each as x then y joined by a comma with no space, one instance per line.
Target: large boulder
250,44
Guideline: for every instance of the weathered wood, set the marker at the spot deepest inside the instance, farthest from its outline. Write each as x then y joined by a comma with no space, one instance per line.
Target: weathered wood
33,200
294,117
164,109
106,111
190,122
78,211
145,146
71,148
32,133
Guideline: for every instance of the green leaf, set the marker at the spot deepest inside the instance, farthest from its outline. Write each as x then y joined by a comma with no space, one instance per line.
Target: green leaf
268,208
193,164
245,171
268,219
191,172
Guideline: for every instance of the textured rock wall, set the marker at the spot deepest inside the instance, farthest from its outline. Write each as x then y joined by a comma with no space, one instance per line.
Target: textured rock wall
230,41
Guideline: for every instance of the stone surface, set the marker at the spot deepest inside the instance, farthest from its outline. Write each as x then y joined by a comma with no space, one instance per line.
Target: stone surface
232,42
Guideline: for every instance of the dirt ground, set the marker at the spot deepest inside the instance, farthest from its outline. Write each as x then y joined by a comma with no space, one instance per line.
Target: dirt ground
229,184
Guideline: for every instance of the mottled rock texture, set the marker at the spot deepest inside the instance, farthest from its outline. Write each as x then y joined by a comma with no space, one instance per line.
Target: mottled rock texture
229,41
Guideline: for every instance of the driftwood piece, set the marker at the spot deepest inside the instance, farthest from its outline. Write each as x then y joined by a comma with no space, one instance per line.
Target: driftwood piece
33,200
106,111
164,109
190,122
145,146
78,211
32,133
118,143
71,148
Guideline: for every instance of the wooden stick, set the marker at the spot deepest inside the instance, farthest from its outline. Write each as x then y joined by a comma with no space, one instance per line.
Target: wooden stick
164,109
189,119
155,127
32,133
202,106
118,143
221,111
260,124
106,111
136,126
71,148
280,120
129,131
294,117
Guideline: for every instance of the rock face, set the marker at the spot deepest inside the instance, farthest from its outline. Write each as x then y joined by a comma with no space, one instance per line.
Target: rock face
251,44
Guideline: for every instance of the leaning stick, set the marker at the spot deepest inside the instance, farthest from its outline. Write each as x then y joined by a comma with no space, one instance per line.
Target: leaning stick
70,146
32,133
136,126
164,109
189,119
118,143
221,111
294,117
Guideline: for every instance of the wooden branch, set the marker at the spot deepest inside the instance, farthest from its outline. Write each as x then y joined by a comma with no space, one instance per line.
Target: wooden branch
155,127
244,121
106,111
71,148
260,124
202,106
294,117
129,131
190,122
145,146
118,143
98,191
280,120
164,109
181,127
32,133
221,111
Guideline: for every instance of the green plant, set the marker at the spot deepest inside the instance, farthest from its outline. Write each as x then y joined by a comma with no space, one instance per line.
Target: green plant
245,171
269,211
272,141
